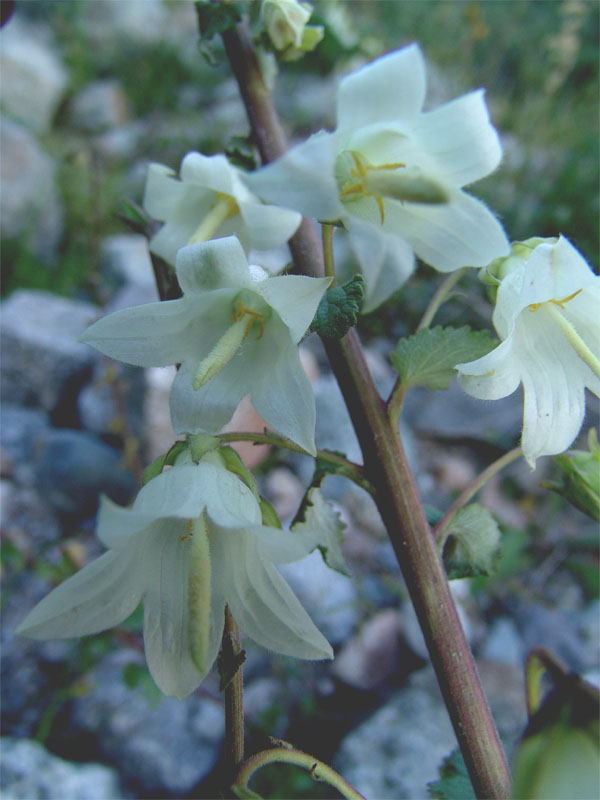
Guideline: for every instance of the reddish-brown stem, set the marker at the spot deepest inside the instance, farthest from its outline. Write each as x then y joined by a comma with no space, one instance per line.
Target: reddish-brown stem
387,468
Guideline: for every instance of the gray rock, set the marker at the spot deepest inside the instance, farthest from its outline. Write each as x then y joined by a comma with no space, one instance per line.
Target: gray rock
43,364
29,201
21,429
29,772
396,752
163,747
503,643
113,402
33,77
74,468
453,414
334,430
373,655
125,257
329,597
99,105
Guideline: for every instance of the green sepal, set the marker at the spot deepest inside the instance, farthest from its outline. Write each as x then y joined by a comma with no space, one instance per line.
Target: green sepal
269,515
454,782
166,460
339,309
240,152
580,479
429,356
234,463
202,443
472,543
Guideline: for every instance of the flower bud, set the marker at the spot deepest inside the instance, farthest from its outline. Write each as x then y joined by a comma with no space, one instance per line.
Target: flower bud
284,21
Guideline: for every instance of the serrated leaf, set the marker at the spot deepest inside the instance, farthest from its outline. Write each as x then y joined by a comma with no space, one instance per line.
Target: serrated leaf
339,309
323,523
428,357
473,543
454,782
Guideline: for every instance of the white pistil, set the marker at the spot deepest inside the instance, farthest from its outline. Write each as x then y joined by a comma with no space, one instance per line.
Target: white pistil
574,339
199,588
222,210
228,344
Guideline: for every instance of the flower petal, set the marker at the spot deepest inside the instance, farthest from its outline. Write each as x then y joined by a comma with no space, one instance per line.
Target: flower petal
216,264
493,376
268,226
166,615
163,192
150,335
386,261
461,233
261,601
295,298
553,386
212,405
212,172
99,596
392,87
302,179
280,390
461,139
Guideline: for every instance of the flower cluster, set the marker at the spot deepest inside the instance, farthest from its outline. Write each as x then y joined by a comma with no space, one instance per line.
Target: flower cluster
393,176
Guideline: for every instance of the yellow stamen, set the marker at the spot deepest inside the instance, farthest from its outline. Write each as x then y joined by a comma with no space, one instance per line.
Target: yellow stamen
225,208
560,303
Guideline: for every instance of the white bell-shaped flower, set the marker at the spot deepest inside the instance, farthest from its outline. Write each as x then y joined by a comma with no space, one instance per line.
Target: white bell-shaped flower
192,542
547,317
394,174
234,332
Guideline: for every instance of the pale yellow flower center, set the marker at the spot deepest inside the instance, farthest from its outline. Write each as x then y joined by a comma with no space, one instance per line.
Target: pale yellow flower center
224,207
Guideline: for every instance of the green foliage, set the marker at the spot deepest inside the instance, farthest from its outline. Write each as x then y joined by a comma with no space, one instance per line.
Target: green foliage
428,357
579,482
473,543
454,782
339,309
213,19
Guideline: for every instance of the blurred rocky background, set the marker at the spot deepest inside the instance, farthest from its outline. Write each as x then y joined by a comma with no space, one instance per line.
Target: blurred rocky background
91,93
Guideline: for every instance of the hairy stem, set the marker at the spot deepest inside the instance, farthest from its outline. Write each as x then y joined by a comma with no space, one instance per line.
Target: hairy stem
232,683
386,466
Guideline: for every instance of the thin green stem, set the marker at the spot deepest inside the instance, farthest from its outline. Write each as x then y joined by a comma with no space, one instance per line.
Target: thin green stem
286,755
440,296
347,468
396,401
327,232
387,467
473,488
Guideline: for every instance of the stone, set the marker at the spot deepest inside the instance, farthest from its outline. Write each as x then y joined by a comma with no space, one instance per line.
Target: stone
74,468
371,657
30,771
125,257
164,747
112,403
329,597
503,643
33,77
397,750
20,431
99,105
29,202
43,364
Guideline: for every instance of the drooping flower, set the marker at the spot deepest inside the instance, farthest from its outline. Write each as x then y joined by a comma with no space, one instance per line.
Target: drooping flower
393,174
547,318
192,542
211,201
235,332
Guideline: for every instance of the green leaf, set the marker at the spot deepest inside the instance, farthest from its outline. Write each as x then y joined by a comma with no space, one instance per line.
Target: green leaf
323,522
339,309
580,479
216,18
454,782
240,152
473,543
429,356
